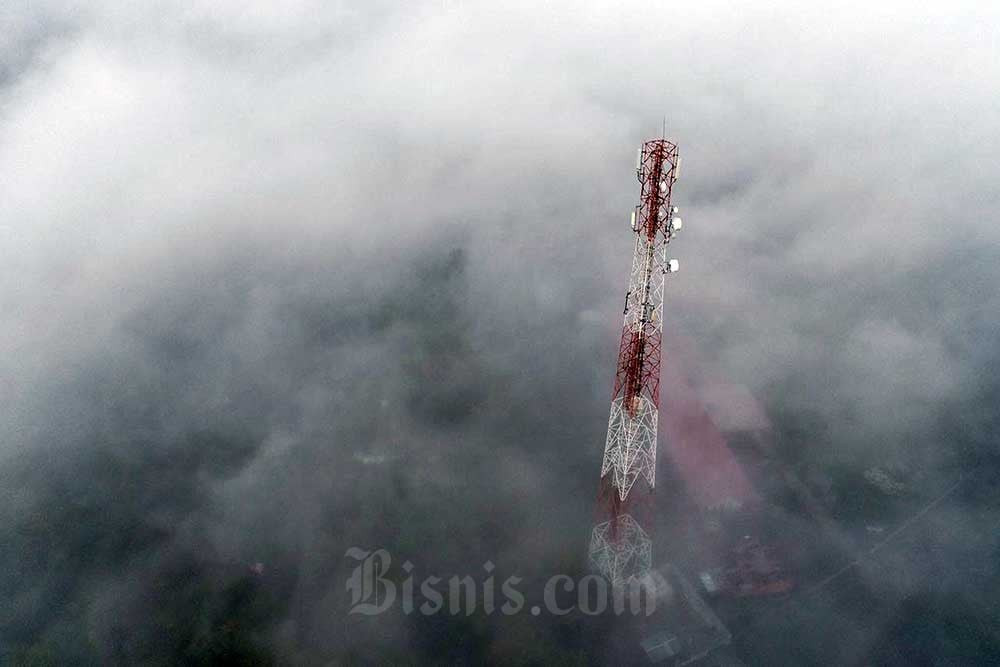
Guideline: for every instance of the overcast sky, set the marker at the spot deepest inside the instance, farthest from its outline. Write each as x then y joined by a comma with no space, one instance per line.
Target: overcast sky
245,247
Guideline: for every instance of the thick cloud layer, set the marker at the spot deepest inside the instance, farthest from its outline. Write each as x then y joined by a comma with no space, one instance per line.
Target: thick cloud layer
282,282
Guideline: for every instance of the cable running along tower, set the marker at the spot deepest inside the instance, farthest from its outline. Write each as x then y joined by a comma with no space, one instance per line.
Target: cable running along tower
620,546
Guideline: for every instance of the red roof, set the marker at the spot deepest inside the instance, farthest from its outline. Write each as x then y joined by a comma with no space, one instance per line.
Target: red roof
693,443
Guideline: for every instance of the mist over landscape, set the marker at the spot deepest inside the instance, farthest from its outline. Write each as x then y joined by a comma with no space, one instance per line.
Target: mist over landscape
282,281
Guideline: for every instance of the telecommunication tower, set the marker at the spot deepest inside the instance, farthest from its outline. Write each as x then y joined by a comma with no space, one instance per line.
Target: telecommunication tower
619,546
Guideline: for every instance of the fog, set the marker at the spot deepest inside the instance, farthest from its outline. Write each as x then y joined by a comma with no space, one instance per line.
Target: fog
282,282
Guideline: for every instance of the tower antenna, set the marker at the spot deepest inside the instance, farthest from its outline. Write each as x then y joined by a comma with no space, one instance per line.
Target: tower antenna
620,547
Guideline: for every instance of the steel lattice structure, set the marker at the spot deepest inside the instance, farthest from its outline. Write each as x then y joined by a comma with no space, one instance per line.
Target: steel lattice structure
619,546
630,451
621,549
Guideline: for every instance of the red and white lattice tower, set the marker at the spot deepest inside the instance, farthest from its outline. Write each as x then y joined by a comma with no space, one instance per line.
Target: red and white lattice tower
619,546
